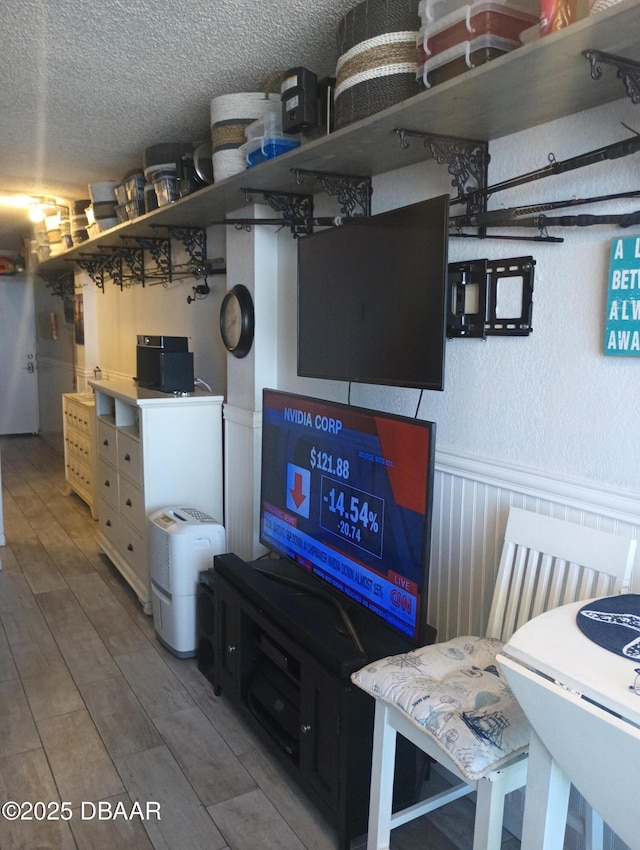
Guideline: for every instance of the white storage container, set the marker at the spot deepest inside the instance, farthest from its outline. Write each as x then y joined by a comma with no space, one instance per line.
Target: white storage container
182,543
463,56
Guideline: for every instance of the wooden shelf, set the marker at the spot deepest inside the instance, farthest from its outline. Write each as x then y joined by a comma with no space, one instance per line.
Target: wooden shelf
539,82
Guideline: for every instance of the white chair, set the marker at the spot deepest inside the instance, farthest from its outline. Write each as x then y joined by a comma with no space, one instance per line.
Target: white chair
451,700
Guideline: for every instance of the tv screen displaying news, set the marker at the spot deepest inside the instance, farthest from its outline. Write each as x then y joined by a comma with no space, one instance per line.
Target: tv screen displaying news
346,494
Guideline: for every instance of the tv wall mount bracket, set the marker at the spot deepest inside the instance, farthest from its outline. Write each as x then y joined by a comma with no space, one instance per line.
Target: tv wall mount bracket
490,297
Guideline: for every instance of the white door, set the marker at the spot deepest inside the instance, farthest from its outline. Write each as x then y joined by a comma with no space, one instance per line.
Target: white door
18,366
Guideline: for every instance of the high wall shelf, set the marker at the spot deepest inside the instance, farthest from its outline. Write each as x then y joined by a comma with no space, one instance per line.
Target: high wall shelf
539,82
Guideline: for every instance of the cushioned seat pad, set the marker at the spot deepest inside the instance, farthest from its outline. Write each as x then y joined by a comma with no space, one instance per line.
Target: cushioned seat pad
456,694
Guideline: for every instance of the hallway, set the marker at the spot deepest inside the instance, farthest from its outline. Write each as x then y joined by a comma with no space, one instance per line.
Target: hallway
93,708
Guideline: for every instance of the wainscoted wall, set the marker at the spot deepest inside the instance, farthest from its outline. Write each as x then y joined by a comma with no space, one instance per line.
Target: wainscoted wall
471,503
242,450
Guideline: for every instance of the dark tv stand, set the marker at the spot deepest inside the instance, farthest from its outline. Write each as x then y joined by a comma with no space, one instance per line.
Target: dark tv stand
284,657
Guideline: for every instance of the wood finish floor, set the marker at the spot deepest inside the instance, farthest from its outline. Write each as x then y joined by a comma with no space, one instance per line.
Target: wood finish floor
93,708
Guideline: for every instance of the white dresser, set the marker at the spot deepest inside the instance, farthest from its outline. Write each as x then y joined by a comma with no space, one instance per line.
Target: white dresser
78,422
154,450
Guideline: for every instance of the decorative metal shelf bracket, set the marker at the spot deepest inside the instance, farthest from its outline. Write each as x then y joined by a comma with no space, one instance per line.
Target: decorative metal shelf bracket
94,266
112,264
467,161
194,241
353,193
160,252
133,257
296,209
60,283
628,71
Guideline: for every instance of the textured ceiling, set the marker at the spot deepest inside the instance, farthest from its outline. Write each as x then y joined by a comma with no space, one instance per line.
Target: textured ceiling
88,84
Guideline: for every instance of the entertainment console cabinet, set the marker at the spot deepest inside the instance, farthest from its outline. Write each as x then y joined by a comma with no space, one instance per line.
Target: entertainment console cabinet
282,654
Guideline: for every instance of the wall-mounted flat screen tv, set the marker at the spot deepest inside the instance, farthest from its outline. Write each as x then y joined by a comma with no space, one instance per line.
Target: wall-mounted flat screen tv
347,496
372,298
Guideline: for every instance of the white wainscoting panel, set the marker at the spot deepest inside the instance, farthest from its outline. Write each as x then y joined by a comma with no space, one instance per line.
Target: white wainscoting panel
242,452
471,504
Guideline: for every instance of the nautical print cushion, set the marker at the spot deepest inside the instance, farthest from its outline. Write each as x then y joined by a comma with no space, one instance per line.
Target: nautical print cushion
456,694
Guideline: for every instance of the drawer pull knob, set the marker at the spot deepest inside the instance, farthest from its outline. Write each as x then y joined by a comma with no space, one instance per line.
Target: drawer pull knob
107,483
231,648
128,503
127,456
130,547
105,442
108,523
305,728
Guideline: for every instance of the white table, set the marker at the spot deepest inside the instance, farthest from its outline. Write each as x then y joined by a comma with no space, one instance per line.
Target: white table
586,727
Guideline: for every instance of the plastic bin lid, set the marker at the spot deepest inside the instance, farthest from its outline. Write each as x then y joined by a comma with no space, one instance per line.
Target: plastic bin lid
514,10
465,49
434,10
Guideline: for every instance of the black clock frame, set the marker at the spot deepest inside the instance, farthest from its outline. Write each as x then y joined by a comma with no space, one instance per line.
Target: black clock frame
243,296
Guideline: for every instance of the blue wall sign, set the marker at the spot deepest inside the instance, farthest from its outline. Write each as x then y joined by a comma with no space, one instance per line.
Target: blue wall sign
622,330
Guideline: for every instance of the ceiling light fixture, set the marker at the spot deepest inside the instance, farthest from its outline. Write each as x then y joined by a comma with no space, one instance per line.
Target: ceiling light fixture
38,207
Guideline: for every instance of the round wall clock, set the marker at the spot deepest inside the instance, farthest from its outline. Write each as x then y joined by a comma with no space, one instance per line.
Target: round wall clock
237,321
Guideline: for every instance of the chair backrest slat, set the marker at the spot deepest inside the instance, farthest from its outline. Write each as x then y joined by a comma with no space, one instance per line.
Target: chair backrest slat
547,562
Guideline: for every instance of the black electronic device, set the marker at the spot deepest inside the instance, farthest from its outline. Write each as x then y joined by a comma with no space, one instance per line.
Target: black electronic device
299,96
164,363
372,298
347,497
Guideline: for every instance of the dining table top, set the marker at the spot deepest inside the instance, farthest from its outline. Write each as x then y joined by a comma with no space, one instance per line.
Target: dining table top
552,644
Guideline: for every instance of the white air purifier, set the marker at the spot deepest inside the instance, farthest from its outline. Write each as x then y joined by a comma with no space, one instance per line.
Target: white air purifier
182,543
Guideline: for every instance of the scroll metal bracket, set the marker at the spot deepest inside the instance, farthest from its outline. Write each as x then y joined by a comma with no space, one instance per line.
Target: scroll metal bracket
134,259
94,266
113,264
296,209
353,193
59,282
467,161
194,241
628,71
160,252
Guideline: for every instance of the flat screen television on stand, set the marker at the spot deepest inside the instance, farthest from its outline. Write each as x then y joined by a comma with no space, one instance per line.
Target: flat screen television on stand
372,298
347,496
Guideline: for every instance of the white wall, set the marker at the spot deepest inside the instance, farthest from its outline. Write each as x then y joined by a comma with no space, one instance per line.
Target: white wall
546,421
550,402
55,361
119,315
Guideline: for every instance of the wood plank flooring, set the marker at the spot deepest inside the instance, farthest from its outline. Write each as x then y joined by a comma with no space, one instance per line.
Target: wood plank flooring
93,708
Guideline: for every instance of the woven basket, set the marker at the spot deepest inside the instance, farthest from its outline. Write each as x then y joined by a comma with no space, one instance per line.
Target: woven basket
230,115
378,58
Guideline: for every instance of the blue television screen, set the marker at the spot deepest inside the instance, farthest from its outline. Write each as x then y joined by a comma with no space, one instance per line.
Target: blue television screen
346,494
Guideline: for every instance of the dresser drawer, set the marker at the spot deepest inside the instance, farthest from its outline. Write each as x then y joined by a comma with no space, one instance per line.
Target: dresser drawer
132,504
79,477
107,444
78,445
109,522
133,550
129,457
107,486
